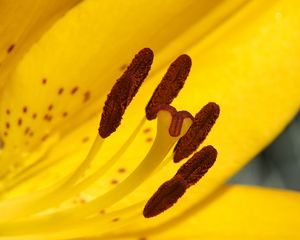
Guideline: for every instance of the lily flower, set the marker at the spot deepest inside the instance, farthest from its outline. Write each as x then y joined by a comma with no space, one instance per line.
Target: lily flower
65,177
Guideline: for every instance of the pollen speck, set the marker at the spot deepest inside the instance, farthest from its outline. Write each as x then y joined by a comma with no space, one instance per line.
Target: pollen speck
26,130
114,181
50,107
146,130
48,117
10,48
86,96
85,139
74,90
44,138
19,121
121,170
149,139
102,211
60,91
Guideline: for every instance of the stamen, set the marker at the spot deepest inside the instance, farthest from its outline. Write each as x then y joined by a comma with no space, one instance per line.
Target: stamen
165,197
197,133
187,175
195,168
123,92
177,119
169,86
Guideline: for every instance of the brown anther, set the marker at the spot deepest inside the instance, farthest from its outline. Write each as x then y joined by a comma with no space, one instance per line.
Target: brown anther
123,92
195,168
165,197
204,120
170,85
177,119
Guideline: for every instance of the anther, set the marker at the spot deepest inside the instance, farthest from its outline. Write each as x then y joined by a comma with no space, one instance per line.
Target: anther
197,166
170,85
123,92
165,197
204,120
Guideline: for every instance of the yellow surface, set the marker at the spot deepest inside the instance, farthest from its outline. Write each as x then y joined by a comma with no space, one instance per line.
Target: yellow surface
245,58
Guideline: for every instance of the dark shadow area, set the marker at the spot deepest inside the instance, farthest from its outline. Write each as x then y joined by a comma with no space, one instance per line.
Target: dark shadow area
278,165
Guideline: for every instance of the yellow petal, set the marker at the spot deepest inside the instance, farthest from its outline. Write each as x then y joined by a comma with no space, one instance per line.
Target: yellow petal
235,212
21,24
252,73
76,62
227,66
60,81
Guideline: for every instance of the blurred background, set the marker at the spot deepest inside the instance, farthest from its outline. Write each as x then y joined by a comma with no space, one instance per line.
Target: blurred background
278,165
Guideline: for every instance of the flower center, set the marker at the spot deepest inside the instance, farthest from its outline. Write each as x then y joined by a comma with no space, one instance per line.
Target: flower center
38,208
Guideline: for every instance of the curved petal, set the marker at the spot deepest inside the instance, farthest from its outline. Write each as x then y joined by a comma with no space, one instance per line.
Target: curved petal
235,212
74,63
228,68
51,91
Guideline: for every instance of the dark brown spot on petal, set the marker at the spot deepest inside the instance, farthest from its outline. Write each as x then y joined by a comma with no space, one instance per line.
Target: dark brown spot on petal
198,131
65,114
85,139
44,138
121,170
195,168
86,96
115,219
74,90
31,134
114,181
20,121
60,91
169,86
34,116
7,111
44,81
5,134
149,139
26,130
50,107
25,109
10,48
165,197
123,92
102,211
146,130
48,117
7,125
